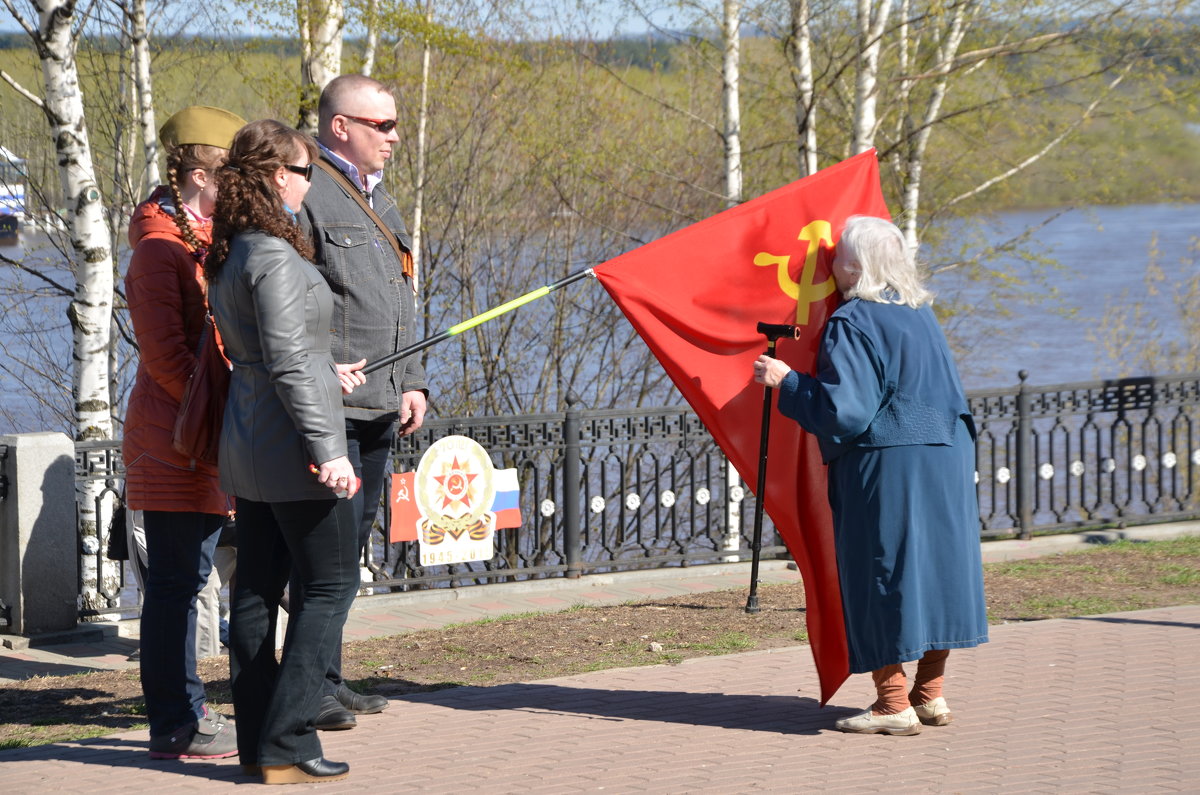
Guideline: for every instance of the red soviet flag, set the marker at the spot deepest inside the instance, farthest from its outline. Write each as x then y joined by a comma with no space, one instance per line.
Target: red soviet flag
696,297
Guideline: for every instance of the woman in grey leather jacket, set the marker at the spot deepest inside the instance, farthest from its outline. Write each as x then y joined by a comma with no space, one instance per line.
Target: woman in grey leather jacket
283,452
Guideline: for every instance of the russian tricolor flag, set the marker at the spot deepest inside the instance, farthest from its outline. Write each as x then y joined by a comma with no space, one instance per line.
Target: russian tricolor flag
507,505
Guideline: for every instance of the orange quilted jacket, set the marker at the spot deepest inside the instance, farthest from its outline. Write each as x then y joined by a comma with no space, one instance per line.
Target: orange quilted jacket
166,304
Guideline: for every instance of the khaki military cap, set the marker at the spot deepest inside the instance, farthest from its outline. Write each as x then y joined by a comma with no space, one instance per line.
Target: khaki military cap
201,124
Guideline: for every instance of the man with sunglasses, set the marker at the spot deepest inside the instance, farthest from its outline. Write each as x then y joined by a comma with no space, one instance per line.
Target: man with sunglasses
364,253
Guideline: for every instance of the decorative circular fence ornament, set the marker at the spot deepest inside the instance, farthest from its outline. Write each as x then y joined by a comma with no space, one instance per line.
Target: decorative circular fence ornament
633,502
597,505
1196,457
703,495
1169,461
1139,462
976,477
1003,475
1077,468
737,494
547,508
1109,465
1046,471
667,498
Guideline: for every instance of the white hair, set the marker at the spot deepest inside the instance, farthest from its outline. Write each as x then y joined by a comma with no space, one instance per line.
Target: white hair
887,270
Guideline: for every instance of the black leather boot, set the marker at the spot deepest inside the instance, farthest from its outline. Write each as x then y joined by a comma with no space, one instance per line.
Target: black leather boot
332,716
314,771
360,704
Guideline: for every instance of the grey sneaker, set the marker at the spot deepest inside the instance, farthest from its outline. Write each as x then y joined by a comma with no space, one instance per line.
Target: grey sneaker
902,723
211,737
934,713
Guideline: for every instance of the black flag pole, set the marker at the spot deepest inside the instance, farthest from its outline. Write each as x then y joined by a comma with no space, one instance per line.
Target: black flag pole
471,323
773,332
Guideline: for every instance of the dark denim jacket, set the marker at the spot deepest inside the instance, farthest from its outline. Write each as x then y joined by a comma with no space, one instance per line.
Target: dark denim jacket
374,312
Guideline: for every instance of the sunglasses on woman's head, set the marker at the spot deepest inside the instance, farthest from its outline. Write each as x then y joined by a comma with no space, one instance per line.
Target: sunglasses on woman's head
384,126
304,171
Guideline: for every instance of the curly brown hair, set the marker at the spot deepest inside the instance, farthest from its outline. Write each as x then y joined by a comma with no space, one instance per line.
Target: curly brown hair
181,161
246,193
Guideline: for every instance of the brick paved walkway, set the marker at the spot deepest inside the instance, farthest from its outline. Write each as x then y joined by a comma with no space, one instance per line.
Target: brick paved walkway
1096,704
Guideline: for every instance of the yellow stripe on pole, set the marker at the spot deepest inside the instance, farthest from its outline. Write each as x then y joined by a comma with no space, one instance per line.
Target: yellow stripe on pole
496,312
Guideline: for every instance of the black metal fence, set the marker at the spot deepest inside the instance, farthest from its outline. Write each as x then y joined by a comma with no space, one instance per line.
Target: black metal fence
1069,456
620,489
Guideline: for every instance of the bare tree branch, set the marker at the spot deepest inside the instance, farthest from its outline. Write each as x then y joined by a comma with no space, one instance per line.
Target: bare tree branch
34,98
1054,142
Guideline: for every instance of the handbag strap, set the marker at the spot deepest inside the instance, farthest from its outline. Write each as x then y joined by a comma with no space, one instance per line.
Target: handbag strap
210,323
405,258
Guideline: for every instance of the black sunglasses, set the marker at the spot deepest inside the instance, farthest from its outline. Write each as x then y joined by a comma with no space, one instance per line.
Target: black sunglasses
384,126
304,171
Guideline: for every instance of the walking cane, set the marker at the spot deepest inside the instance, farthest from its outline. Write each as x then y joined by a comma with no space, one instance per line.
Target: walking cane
773,332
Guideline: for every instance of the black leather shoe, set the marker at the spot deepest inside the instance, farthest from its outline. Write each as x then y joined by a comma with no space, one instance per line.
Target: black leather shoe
360,704
332,716
312,771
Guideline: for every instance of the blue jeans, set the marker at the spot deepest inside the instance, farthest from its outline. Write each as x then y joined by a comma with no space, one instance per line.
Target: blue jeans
368,446
179,554
315,542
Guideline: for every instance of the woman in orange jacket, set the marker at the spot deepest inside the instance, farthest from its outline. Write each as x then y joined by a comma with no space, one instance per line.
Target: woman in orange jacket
183,506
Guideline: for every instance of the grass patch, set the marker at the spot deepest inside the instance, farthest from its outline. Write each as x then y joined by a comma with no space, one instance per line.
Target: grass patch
726,643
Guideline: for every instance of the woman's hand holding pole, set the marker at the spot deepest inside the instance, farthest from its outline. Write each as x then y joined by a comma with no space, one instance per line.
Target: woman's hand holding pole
350,375
770,371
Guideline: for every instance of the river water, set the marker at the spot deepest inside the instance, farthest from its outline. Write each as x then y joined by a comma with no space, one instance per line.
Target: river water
1101,254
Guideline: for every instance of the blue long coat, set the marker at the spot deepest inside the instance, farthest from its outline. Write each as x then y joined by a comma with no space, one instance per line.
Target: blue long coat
889,412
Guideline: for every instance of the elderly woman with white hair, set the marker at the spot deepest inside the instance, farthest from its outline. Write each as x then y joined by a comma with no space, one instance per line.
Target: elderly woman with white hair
888,410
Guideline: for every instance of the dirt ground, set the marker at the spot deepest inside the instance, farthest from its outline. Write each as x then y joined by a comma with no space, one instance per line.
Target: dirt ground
532,647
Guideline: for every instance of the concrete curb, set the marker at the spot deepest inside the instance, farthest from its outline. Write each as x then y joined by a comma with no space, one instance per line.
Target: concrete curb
1014,549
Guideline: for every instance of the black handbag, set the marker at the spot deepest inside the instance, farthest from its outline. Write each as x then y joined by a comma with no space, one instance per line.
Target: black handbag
118,538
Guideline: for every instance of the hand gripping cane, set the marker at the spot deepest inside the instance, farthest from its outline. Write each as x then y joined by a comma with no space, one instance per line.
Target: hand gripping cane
773,332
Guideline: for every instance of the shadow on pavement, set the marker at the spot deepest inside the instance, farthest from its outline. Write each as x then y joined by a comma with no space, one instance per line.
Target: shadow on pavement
777,714
1123,620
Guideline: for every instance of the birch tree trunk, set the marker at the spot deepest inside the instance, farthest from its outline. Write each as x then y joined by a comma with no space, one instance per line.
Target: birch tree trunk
422,146
144,88
731,102
800,43
872,21
372,39
917,135
321,24
730,77
90,310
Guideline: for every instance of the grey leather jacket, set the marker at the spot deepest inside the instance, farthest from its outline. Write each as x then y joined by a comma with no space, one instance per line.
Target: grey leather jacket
374,309
285,402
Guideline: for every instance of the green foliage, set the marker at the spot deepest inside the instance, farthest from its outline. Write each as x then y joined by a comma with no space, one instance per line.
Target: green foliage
548,156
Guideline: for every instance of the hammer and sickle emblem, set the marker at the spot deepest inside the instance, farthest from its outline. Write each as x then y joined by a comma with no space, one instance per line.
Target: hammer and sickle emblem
402,493
804,291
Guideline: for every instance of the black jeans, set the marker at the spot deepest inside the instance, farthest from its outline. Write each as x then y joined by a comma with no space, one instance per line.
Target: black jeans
316,543
179,552
368,446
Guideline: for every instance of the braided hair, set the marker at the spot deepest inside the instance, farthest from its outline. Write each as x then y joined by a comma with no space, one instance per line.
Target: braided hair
246,193
182,159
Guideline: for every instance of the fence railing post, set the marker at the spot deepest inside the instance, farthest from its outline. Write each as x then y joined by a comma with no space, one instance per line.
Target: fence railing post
1025,474
572,474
